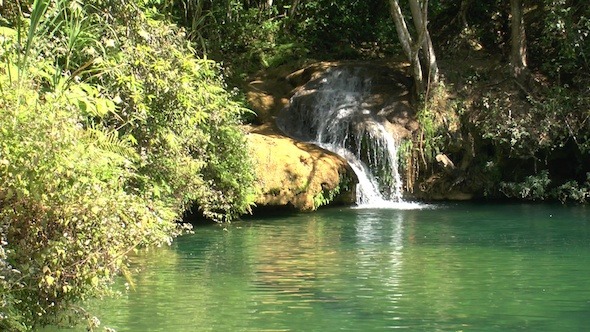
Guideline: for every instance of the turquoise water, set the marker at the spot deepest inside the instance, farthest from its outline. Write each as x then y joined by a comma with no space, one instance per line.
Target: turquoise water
456,267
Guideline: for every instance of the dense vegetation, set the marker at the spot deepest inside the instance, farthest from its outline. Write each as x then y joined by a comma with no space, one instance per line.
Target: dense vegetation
517,122
110,128
512,113
114,122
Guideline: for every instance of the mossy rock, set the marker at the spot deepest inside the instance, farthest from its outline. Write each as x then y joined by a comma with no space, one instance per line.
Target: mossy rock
294,174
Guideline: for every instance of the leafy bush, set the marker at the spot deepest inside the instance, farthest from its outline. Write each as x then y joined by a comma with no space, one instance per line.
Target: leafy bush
538,187
574,191
182,121
541,125
327,23
327,196
534,187
65,214
565,42
103,145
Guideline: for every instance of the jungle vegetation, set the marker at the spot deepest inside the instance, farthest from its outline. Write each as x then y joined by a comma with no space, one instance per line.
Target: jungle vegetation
111,128
116,118
501,87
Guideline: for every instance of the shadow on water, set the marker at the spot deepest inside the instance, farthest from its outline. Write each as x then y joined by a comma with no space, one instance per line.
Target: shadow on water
195,217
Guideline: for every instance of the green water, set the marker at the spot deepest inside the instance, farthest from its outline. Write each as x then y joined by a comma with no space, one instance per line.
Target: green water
453,267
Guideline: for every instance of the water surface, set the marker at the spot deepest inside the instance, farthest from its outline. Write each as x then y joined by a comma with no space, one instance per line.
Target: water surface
456,267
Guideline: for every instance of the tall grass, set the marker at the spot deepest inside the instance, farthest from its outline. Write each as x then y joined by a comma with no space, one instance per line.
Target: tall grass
39,9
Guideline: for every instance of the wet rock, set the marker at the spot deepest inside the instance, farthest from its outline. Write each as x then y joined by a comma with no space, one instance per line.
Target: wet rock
297,175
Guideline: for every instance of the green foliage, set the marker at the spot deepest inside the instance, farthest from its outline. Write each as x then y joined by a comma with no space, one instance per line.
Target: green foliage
534,187
329,25
405,152
565,41
66,218
252,36
182,121
10,319
574,191
505,128
541,125
429,133
109,130
324,197
439,122
327,196
538,187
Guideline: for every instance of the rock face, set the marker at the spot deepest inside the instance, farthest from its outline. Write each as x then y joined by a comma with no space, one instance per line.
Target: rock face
301,175
298,175
387,97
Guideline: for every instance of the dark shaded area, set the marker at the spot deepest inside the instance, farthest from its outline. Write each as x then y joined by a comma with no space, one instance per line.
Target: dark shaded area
271,211
194,216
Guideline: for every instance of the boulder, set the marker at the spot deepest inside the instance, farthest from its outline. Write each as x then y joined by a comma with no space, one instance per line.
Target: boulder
298,175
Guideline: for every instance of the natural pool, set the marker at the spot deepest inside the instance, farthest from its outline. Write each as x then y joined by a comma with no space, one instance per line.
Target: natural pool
454,267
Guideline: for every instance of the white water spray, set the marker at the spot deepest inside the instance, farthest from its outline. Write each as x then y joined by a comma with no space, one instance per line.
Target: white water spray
333,114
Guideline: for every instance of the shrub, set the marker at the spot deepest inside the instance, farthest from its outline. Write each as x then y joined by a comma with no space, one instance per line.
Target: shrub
534,187
527,129
101,152
182,121
574,191
66,218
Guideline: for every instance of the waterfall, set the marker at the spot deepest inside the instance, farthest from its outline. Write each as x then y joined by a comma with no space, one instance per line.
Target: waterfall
333,112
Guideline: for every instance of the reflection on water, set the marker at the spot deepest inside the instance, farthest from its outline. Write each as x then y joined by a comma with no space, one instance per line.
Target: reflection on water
456,267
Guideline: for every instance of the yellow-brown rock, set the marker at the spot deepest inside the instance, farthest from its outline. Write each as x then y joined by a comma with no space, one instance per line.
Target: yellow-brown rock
296,174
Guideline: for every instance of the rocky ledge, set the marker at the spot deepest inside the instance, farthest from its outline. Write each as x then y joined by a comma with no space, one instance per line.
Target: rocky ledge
300,175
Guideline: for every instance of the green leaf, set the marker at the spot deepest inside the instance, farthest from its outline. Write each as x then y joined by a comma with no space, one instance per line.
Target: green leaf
94,281
49,280
7,32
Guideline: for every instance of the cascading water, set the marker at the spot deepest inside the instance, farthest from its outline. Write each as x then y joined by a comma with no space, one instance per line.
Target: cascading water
332,112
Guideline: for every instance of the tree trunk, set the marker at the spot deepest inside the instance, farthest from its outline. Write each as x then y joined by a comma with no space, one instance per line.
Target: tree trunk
518,61
293,9
408,46
420,19
401,27
463,13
